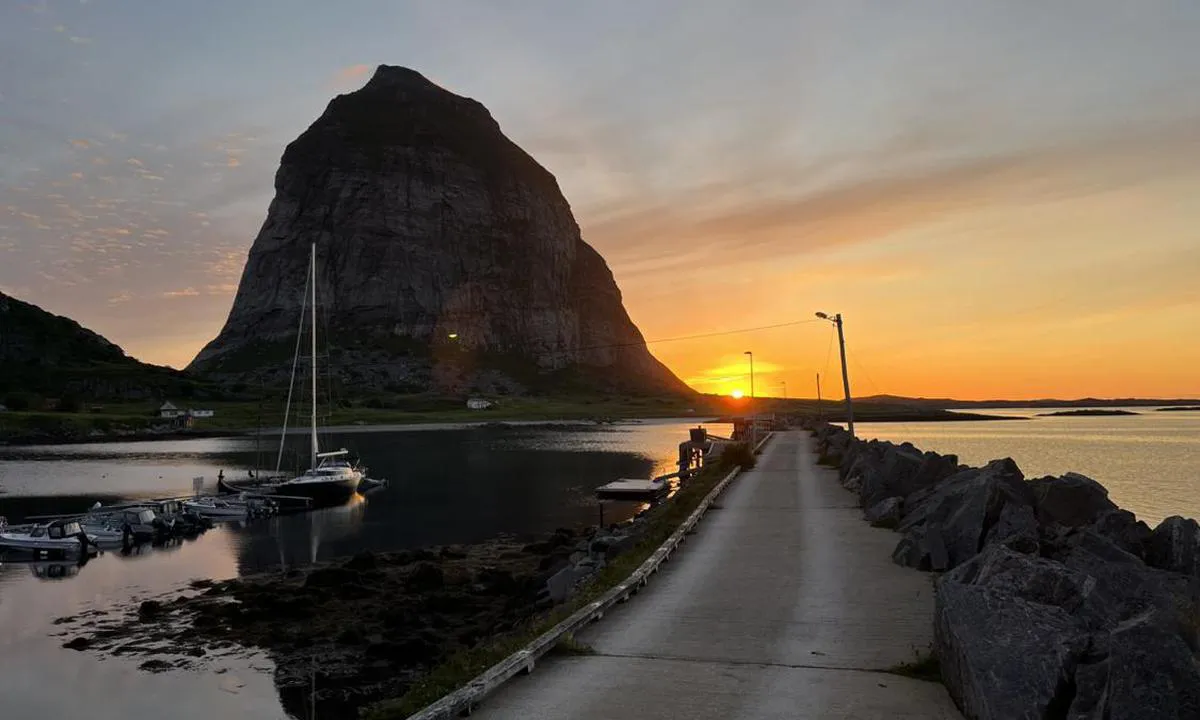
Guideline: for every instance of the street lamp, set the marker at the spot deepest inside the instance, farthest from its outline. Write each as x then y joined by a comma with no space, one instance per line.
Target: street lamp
837,320
751,356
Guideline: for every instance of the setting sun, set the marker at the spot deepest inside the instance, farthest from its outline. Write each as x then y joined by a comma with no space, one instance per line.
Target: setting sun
737,394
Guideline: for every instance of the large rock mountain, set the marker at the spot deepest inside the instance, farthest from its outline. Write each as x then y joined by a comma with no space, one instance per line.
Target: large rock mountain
445,255
49,355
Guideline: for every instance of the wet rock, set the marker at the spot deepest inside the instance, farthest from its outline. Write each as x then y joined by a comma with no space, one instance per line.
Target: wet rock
425,576
885,513
79,643
156,666
362,561
1175,545
1072,500
149,609
330,577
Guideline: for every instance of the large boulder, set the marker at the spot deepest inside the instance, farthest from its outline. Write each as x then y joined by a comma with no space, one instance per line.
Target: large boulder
1072,500
1003,657
885,513
1152,671
966,512
1124,529
899,471
1175,545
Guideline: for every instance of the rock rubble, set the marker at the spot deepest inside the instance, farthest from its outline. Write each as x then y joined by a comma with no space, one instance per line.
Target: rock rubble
1052,602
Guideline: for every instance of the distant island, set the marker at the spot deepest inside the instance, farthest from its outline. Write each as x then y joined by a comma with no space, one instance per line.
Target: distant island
1186,408
1092,412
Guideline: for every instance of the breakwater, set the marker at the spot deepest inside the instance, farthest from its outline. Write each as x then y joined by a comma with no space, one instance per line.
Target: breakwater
1051,601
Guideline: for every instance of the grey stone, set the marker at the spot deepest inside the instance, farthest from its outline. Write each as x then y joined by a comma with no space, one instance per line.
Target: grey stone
1124,529
1175,545
885,513
1031,578
961,512
1072,500
428,222
1091,692
1003,657
1152,672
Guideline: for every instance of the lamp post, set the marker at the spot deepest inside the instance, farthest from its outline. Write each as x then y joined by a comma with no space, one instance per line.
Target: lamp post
751,356
837,320
783,384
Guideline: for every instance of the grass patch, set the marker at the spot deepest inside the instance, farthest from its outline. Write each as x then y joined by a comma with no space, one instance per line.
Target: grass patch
923,667
461,667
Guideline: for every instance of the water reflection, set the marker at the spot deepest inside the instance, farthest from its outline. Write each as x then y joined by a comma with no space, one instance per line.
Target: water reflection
445,487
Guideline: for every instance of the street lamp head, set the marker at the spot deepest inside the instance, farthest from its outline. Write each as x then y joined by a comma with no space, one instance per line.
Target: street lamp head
747,353
823,316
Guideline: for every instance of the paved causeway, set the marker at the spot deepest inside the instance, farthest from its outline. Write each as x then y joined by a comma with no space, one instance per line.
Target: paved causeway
784,604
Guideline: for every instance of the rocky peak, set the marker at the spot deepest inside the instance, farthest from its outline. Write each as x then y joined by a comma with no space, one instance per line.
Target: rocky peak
429,222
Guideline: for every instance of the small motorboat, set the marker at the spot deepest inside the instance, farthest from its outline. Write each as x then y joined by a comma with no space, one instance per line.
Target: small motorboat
242,507
140,523
55,539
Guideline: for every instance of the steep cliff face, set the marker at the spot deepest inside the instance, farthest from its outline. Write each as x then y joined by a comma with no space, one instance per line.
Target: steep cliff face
428,223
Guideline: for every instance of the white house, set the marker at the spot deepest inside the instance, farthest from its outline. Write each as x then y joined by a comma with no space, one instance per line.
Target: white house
478,404
168,410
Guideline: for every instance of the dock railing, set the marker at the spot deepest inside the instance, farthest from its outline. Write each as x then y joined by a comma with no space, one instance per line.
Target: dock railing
471,695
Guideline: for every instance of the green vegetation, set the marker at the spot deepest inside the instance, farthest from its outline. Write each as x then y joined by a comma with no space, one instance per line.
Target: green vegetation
460,668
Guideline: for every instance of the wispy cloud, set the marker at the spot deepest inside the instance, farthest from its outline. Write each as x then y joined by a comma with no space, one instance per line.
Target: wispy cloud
349,76
184,293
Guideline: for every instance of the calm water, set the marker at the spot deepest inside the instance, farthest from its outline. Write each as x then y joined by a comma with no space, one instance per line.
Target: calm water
1150,462
446,486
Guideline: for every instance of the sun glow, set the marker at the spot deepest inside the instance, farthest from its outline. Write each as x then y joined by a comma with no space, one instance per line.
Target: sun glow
737,394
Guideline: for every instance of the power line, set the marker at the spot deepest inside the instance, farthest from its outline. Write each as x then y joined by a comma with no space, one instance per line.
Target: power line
684,337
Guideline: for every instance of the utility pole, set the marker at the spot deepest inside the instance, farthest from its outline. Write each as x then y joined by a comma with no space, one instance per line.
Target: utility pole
751,355
837,320
820,416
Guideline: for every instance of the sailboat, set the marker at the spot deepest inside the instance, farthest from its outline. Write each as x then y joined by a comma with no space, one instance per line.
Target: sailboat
331,478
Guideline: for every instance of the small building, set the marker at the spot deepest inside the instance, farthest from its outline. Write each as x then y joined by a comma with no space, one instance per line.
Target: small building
169,410
478,404
201,413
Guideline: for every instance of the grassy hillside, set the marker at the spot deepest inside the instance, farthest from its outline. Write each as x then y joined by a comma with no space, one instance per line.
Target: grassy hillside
46,356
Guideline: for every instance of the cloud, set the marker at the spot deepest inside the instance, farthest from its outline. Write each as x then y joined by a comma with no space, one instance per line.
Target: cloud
81,40
81,143
135,162
719,224
76,176
232,161
186,292
351,75
122,297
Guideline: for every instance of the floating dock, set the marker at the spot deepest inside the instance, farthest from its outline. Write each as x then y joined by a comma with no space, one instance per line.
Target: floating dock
633,489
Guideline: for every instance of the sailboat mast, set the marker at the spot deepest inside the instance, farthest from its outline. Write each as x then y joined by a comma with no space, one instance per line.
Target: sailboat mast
313,265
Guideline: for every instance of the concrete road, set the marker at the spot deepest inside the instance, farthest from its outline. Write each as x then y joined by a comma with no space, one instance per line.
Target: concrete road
784,604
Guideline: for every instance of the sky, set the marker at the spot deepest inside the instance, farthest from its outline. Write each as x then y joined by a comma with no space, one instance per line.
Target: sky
1000,198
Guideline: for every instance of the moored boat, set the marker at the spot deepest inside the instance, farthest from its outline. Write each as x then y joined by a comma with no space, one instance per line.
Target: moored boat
57,538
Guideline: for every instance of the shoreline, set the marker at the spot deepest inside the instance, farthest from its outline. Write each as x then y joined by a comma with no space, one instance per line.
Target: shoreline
382,623
47,438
